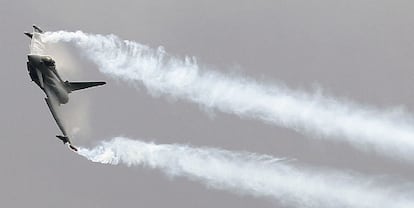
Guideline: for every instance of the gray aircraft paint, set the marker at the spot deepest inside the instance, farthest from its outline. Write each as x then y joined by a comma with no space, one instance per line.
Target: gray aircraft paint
42,71
359,50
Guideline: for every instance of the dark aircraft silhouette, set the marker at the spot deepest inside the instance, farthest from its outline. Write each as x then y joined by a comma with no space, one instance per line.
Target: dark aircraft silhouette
42,71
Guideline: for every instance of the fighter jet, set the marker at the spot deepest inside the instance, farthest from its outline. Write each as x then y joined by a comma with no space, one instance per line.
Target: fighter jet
42,71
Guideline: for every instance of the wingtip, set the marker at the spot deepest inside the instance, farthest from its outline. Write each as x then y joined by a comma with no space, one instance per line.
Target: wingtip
37,29
73,148
30,35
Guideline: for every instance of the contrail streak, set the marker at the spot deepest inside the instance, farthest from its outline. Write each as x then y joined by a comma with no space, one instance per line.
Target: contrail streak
385,132
252,174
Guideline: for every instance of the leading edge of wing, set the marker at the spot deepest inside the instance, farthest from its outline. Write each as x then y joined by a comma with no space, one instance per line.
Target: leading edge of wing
52,104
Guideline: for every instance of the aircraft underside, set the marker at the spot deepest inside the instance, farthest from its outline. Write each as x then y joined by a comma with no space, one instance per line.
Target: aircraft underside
42,71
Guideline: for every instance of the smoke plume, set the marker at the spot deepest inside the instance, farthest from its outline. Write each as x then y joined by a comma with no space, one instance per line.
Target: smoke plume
386,132
252,174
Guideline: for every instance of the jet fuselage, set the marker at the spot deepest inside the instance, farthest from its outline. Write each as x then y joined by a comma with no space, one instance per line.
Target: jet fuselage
42,70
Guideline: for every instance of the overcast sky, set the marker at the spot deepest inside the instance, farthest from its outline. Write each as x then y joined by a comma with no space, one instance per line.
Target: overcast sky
360,50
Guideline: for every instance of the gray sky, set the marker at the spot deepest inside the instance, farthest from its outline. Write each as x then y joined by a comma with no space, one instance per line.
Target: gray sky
360,50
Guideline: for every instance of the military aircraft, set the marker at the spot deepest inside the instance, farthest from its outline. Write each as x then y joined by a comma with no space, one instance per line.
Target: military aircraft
43,72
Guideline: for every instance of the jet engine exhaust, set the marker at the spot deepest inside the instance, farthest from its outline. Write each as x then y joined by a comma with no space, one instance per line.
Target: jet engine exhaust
386,132
366,128
253,174
67,142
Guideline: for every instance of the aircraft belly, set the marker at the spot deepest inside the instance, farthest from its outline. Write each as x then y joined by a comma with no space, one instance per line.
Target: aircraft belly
52,108
58,90
42,70
61,95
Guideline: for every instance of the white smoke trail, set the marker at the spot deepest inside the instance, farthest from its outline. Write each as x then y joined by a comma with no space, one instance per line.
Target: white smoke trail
389,133
36,45
257,175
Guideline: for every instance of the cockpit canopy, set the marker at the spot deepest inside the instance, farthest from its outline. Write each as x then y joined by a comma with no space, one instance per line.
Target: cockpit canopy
48,61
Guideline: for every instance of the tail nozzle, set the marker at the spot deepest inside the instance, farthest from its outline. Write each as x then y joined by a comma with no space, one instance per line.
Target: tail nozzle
67,142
